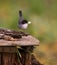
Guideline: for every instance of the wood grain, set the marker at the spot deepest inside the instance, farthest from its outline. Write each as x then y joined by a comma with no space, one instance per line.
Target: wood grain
24,41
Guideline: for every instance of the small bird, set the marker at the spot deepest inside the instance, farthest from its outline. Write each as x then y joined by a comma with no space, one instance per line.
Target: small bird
22,23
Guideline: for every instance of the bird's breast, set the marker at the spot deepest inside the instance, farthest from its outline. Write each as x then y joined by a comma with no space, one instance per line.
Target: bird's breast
23,26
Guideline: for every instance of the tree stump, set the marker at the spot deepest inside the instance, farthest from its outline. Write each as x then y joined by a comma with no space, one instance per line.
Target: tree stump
9,40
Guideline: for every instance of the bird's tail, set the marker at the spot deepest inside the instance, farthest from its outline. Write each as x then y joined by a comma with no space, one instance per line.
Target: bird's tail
20,13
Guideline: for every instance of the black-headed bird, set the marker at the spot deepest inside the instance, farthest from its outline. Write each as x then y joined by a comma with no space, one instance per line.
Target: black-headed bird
22,23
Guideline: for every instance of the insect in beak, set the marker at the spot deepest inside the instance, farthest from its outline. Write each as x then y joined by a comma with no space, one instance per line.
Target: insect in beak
29,22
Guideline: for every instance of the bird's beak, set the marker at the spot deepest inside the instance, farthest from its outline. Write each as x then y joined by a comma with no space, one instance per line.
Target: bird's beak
29,22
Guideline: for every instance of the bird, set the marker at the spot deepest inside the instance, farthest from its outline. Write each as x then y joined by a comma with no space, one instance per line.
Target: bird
22,23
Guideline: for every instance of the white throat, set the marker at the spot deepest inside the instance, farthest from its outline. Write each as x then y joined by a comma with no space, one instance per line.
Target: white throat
23,26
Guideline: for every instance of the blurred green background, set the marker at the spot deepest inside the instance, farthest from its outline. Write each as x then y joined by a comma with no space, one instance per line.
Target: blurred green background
43,15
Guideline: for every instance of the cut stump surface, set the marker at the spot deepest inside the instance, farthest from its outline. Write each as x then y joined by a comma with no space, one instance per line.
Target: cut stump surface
15,38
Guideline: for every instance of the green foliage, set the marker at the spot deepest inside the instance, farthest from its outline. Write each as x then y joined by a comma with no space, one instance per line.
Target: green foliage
36,6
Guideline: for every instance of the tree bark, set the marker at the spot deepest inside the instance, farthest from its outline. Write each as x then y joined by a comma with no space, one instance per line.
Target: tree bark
9,59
